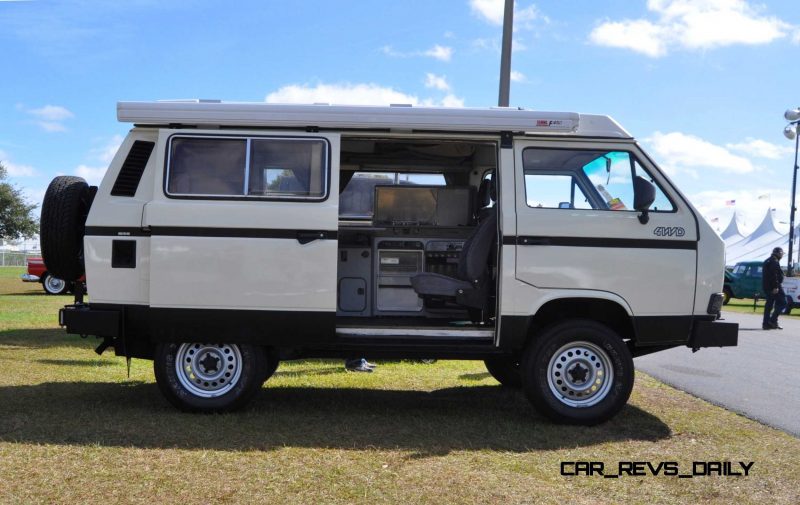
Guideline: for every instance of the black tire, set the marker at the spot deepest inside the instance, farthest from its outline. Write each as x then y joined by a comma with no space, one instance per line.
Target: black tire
726,295
789,306
271,363
53,285
589,343
64,210
506,371
234,394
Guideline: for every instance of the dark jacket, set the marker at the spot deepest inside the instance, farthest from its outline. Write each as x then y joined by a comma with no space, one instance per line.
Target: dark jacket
773,275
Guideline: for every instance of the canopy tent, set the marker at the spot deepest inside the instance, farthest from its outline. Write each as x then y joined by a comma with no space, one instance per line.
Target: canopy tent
758,245
731,235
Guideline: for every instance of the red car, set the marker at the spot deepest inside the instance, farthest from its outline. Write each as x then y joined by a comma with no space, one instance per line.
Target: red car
37,272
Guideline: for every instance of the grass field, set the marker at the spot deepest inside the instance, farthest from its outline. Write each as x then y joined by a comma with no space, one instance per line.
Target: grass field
745,305
75,429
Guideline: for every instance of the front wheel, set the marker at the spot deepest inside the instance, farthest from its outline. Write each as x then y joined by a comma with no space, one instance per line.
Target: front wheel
789,305
726,295
201,377
578,372
53,285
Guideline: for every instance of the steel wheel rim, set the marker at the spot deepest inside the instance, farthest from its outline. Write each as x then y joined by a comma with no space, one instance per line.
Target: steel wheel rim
54,284
208,370
580,374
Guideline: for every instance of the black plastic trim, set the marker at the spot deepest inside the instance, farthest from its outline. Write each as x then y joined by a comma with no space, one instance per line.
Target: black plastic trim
714,334
130,175
190,231
627,243
248,198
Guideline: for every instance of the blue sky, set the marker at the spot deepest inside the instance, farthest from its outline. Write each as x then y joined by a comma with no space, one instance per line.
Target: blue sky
702,83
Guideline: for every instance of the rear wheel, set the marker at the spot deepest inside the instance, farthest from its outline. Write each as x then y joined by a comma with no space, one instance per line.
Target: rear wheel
202,377
578,372
271,363
53,285
789,305
505,370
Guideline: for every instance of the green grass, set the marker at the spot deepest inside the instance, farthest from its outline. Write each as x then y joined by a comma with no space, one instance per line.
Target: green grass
75,429
745,306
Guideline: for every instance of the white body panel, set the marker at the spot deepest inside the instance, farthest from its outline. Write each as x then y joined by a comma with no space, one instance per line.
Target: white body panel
650,281
114,285
225,271
229,272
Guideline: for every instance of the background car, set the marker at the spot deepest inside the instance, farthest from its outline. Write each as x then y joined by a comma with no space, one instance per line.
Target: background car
37,272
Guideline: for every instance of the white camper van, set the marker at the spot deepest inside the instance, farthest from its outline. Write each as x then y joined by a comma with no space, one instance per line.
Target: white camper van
226,237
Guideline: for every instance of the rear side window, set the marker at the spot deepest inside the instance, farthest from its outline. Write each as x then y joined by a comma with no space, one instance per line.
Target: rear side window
207,166
283,168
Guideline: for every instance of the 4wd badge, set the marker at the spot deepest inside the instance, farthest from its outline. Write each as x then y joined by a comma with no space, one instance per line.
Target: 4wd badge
669,231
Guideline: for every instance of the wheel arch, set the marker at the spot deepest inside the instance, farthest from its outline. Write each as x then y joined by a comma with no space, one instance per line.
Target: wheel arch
614,313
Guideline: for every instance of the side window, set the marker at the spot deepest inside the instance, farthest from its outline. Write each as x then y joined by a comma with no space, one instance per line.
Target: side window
287,168
612,175
554,191
247,167
585,179
200,166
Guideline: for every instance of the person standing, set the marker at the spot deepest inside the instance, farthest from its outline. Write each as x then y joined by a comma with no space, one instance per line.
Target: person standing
772,278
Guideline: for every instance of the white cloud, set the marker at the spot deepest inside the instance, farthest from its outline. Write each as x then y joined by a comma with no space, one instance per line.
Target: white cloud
691,24
682,152
436,81
15,170
345,93
449,101
93,175
489,10
517,76
52,113
106,153
441,53
51,117
761,149
640,35
354,94
493,11
751,207
796,37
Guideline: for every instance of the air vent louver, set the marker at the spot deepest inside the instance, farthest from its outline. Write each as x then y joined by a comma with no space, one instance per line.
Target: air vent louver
131,172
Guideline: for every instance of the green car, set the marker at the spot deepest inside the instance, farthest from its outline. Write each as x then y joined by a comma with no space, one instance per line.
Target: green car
743,281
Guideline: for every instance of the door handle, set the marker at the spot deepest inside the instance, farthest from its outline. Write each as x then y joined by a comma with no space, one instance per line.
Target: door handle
304,237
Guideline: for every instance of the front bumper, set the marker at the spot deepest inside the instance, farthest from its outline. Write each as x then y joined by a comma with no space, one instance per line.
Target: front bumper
29,278
713,334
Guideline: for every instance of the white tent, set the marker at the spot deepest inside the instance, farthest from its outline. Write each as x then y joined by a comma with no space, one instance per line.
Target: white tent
759,244
732,235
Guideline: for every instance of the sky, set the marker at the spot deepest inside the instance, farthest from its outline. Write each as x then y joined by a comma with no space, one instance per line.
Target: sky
702,84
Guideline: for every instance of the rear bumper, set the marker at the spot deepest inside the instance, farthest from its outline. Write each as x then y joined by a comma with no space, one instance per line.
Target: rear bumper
82,320
29,278
713,334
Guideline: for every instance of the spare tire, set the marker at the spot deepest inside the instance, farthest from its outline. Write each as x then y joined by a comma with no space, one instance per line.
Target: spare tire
62,225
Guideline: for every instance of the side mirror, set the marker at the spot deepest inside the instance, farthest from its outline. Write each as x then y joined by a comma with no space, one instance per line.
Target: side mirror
644,194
